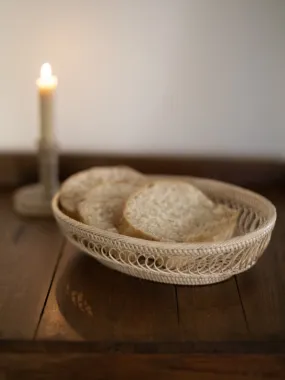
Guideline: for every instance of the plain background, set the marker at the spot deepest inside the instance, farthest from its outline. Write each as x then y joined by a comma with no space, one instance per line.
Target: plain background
147,76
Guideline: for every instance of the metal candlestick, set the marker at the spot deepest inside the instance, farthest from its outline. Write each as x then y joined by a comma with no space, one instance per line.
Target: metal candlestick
35,199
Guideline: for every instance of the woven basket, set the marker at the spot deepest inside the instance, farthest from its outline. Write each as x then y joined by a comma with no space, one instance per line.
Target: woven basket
182,263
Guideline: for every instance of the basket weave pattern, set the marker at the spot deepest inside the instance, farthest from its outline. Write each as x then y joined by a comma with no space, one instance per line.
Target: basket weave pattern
183,263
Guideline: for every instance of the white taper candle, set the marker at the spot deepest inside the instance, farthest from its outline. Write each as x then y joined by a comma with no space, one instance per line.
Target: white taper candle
47,84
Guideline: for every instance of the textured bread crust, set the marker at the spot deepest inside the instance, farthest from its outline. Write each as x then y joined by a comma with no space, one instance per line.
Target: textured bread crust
175,211
75,188
220,228
103,206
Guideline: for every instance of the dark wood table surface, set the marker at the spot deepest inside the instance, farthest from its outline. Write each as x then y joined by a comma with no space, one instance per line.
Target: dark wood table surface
63,315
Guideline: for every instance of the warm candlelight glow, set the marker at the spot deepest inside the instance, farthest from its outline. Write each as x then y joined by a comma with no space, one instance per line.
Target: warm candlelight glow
47,84
47,80
46,71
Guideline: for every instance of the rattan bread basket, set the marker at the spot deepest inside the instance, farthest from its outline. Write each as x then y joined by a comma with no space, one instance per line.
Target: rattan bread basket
182,263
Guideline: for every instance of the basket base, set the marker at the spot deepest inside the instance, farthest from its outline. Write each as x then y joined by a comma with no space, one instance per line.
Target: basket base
165,278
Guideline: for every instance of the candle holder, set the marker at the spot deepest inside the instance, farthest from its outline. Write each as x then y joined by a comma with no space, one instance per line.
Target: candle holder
35,199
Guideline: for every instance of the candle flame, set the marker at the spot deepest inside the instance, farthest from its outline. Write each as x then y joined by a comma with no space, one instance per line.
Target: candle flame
46,71
47,80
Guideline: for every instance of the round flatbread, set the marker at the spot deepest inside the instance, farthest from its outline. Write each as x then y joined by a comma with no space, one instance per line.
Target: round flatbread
175,211
103,206
75,188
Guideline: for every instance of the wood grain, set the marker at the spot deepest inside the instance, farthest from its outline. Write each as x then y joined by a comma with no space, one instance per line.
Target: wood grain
262,288
98,366
101,304
211,313
17,168
100,324
28,255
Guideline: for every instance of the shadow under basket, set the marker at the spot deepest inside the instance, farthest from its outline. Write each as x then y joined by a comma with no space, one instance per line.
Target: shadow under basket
182,263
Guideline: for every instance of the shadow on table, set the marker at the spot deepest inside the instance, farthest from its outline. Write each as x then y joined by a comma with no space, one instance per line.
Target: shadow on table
100,303
74,294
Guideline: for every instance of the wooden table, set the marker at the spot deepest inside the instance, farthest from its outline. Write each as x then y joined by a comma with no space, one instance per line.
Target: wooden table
63,315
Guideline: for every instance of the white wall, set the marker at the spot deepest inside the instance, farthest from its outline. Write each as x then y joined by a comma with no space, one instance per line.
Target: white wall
160,76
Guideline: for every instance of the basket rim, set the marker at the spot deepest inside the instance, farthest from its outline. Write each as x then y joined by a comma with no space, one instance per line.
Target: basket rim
237,240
